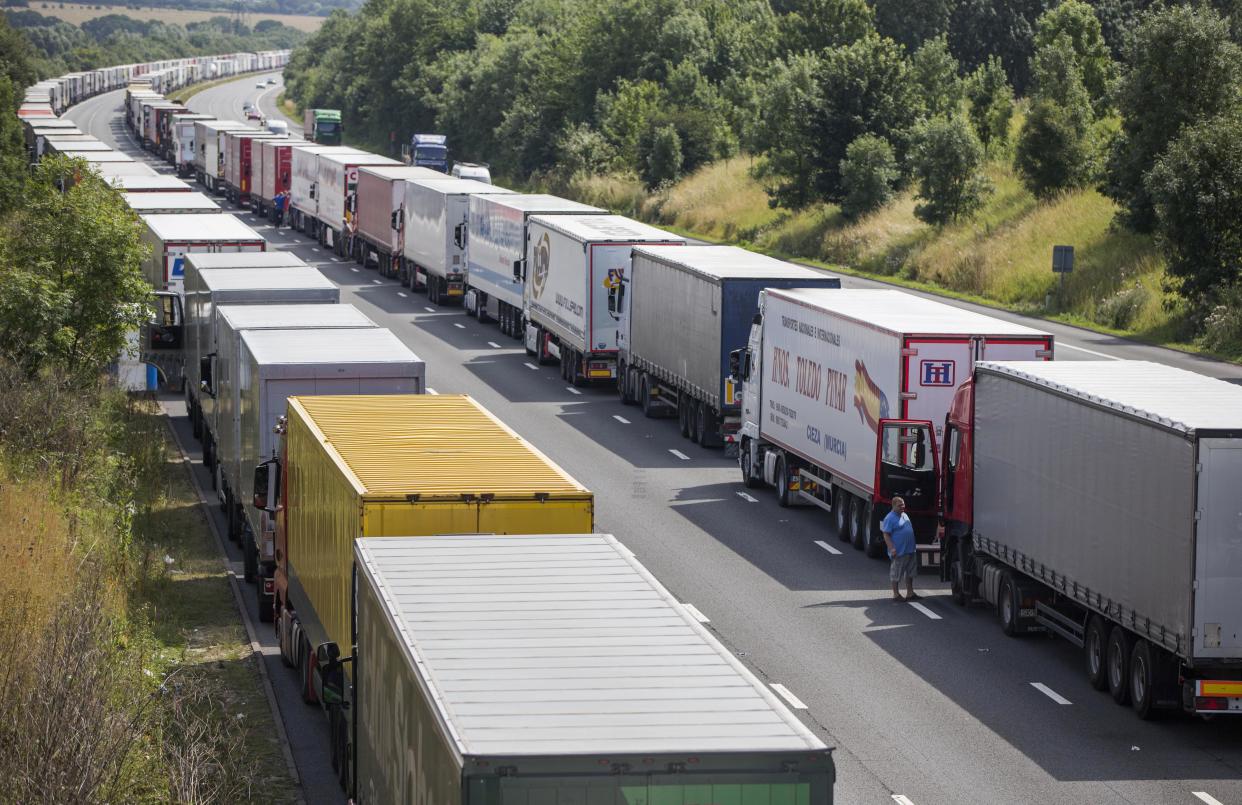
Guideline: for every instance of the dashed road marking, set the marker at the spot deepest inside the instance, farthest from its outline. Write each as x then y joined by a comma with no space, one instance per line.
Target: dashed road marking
902,799
459,325
572,390
827,547
1063,345
355,270
1206,797
680,455
621,419
376,282
429,309
529,365
314,248
401,294
1050,693
925,611
694,613
493,345
749,498
791,699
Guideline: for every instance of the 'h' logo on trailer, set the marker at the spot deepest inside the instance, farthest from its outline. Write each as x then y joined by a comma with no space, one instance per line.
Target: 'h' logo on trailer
936,373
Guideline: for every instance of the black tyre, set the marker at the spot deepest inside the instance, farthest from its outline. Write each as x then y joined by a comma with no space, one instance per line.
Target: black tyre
1007,606
264,603
750,478
1120,644
957,585
692,420
683,416
857,521
304,668
841,513
782,483
1095,652
873,541
644,396
433,290
709,427
1145,678
250,557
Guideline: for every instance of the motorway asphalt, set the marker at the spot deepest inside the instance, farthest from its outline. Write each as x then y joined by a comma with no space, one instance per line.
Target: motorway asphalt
924,705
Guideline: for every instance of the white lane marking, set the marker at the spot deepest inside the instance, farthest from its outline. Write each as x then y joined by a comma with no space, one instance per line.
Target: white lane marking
1089,351
1208,798
827,547
493,345
793,700
749,498
694,613
925,611
429,309
902,799
680,455
401,294
337,260
459,325
621,419
432,391
376,282
572,390
1050,693
531,366
313,248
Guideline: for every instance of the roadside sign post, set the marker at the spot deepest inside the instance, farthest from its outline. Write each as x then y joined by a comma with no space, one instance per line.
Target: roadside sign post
1062,264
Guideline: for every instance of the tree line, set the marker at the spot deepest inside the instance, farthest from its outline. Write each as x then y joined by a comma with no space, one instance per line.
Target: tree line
60,47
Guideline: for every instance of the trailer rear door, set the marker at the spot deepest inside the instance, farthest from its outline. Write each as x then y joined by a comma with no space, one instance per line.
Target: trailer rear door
1218,593
934,368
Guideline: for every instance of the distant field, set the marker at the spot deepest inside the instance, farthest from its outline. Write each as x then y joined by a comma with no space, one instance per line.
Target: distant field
77,14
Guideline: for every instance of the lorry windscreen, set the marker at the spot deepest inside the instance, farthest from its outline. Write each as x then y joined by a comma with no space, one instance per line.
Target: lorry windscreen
327,126
682,789
431,152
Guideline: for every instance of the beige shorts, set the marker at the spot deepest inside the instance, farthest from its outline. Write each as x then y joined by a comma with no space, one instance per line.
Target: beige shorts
904,567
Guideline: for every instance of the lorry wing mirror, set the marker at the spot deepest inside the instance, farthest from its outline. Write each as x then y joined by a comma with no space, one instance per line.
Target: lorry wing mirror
312,191
459,235
735,363
267,485
519,270
331,682
206,381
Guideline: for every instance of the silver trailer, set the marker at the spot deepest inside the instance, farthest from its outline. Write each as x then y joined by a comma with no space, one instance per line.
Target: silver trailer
436,213
474,686
155,183
495,247
683,310
275,365
208,159
1105,510
207,288
171,237
231,321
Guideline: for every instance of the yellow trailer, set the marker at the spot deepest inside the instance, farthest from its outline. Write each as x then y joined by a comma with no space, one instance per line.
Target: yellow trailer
401,465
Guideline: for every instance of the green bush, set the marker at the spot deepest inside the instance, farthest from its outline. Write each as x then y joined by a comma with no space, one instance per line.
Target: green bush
1222,329
1120,310
869,173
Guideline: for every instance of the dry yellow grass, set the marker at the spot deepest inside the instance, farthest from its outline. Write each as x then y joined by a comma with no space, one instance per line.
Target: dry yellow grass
77,14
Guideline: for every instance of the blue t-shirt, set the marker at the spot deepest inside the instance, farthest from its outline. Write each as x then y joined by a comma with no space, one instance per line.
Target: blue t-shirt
902,532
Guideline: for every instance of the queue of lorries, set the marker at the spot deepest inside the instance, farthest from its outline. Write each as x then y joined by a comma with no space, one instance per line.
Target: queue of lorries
434,579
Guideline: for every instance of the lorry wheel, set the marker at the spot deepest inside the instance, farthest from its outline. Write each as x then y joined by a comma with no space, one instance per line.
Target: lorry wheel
1095,651
841,513
1118,657
749,479
623,380
264,603
873,543
692,420
1007,606
304,666
782,483
250,560
683,417
957,585
1143,674
281,639
709,428
644,396
858,522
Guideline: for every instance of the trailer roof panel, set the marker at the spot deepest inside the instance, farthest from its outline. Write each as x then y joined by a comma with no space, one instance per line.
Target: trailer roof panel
1173,398
433,445
521,684
899,312
155,182
145,202
729,262
400,172
604,228
230,279
171,226
272,259
536,203
113,169
358,158
305,347
283,317
452,186
96,157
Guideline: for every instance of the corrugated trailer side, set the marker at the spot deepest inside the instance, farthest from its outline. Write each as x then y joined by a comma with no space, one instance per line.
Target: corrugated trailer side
405,466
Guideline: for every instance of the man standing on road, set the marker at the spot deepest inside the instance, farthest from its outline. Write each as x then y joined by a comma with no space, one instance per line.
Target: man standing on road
279,204
899,537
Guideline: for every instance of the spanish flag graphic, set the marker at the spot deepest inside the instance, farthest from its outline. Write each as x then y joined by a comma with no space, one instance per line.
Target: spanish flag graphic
870,401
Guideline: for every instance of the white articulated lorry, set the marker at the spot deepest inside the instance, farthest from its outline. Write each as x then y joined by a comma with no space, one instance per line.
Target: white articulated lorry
495,248
380,214
208,157
1099,501
471,686
844,398
684,311
335,193
572,264
437,214
171,237
304,184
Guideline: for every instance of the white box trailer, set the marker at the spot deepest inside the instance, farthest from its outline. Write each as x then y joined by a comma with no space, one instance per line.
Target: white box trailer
230,322
335,193
572,263
170,203
380,220
275,365
155,183
208,157
436,216
183,148
304,184
114,170
496,246
473,686
845,394
1099,500
172,237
